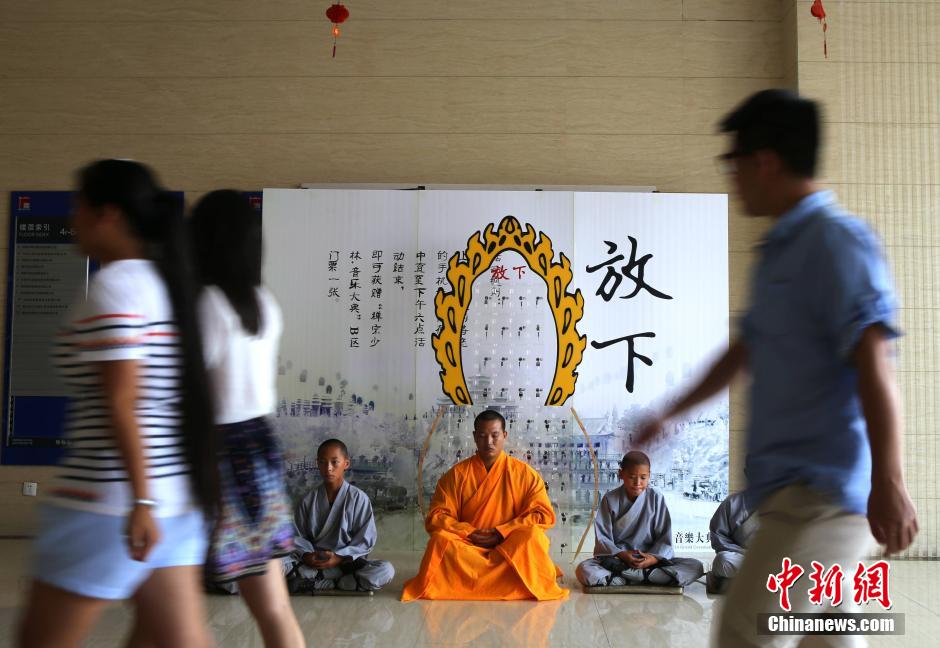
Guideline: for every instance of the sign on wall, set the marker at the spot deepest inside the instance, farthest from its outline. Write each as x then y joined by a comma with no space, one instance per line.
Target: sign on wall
45,274
406,310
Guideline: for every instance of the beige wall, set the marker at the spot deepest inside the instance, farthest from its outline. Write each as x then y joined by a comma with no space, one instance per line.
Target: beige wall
238,93
881,90
243,93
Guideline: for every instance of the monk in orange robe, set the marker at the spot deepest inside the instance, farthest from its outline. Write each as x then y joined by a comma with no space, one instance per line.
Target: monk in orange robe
487,525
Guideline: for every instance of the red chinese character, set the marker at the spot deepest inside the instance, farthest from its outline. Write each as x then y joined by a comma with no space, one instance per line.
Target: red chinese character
520,270
783,581
827,585
498,272
872,584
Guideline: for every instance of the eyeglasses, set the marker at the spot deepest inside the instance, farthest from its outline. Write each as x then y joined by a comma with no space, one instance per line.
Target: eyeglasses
727,163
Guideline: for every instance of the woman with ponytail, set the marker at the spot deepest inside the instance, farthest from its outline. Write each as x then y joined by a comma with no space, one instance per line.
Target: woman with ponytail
241,325
128,509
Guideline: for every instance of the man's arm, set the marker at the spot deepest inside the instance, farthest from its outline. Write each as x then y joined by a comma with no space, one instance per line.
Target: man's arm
721,374
442,515
604,530
891,513
656,516
661,548
721,528
303,537
535,510
363,533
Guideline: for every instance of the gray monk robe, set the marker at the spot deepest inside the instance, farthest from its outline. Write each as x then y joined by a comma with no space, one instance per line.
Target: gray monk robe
347,528
731,529
644,525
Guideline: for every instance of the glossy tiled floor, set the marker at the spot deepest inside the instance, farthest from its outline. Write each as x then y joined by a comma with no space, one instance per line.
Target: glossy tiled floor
583,620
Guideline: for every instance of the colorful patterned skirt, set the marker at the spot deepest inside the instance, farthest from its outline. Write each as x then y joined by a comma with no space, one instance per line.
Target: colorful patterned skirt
255,524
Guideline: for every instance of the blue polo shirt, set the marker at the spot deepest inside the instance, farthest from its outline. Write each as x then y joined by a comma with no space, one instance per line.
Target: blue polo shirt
822,280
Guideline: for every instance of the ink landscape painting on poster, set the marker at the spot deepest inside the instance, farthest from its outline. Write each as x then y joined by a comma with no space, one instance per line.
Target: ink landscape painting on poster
409,312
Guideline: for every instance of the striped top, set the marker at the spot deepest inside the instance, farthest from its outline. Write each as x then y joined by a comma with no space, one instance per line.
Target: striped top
127,315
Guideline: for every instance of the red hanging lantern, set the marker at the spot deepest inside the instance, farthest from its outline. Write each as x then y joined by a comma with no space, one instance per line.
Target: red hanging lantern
819,13
337,14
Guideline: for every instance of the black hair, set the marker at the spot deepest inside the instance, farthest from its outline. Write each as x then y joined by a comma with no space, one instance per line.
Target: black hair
226,234
333,443
779,120
154,217
634,458
489,415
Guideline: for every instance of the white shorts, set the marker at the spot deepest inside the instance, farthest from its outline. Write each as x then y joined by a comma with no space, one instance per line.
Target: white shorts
86,553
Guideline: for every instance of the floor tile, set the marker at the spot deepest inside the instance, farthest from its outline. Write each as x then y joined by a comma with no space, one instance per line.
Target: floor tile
655,620
491,623
636,621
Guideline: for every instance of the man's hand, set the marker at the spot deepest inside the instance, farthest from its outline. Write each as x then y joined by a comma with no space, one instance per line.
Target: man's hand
650,428
322,560
719,376
891,513
309,559
891,516
486,538
644,561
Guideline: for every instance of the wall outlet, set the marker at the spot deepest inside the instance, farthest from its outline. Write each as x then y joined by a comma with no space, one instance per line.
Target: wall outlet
30,489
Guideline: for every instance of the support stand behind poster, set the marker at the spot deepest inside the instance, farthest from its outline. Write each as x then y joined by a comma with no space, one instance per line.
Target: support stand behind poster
398,303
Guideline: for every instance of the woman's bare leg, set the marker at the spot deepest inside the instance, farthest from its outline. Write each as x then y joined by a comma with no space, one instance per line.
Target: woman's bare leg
55,618
267,599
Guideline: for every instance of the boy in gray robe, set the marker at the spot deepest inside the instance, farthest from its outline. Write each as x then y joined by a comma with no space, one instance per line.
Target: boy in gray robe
633,535
731,528
335,531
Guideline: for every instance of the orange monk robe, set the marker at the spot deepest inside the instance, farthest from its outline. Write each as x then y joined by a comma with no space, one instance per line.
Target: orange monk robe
511,498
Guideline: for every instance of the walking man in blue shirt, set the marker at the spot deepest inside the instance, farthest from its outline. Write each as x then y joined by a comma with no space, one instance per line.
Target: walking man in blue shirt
824,460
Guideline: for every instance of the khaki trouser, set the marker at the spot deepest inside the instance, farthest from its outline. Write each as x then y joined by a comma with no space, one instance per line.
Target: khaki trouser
799,523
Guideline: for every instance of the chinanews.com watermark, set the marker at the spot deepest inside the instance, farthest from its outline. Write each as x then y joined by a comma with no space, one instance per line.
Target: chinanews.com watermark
830,624
870,588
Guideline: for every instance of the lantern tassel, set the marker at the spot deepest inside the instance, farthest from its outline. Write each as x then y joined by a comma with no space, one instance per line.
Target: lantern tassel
337,15
819,13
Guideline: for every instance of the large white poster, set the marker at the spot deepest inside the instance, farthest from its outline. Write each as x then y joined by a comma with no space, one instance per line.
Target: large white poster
408,312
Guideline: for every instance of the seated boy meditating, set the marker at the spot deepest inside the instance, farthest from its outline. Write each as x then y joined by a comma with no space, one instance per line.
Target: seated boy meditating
335,531
633,535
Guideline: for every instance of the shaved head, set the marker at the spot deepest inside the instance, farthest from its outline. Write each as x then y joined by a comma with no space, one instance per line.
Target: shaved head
634,458
333,443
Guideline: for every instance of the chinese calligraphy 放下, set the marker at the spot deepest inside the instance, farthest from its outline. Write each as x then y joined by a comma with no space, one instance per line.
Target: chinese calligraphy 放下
606,291
631,353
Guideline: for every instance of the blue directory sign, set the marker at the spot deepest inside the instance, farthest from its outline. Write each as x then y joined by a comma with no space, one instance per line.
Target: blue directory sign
45,273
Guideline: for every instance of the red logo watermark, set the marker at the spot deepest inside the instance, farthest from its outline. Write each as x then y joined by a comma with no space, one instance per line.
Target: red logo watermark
783,581
869,584
826,585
